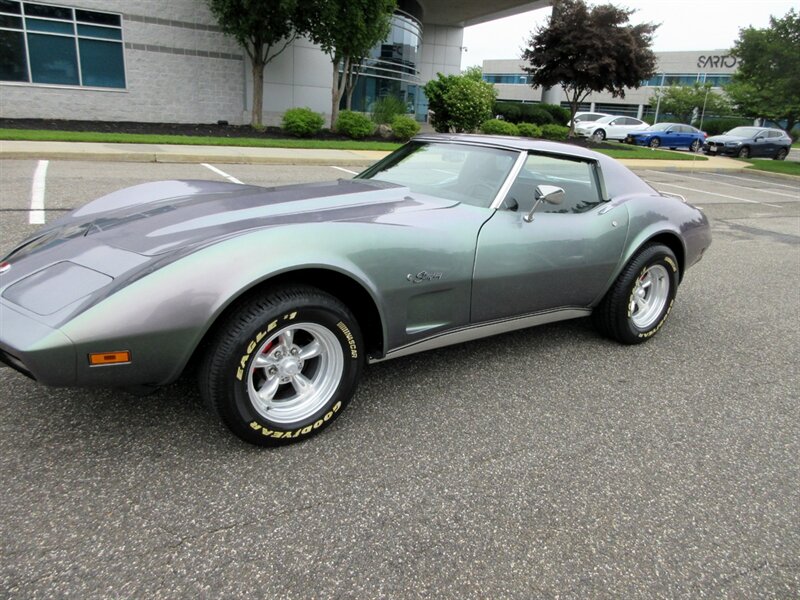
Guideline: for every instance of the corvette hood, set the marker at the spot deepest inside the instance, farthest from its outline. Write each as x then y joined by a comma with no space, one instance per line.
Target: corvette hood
156,218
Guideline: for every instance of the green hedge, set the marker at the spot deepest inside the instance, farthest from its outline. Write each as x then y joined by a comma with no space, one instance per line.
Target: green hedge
354,125
517,112
302,122
555,132
499,127
529,130
404,128
721,125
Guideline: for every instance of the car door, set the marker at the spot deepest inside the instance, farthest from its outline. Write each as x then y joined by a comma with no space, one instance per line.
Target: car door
565,257
761,145
683,136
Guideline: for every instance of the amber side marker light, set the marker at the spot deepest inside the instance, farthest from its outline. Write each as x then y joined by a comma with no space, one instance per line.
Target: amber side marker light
109,358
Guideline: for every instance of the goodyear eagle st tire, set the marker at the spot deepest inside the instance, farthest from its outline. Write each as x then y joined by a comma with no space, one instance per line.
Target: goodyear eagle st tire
282,367
641,298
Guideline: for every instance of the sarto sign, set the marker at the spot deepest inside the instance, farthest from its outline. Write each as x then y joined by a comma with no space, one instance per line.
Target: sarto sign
716,61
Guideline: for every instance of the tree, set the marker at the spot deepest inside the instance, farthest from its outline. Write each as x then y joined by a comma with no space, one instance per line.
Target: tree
346,30
680,101
587,50
264,30
474,72
767,82
459,102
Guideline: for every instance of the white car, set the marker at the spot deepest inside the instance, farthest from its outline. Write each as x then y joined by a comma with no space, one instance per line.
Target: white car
585,117
610,127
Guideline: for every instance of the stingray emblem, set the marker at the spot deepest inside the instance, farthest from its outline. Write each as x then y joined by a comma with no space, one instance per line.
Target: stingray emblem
423,276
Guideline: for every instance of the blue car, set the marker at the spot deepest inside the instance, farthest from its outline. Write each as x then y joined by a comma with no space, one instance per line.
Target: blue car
671,135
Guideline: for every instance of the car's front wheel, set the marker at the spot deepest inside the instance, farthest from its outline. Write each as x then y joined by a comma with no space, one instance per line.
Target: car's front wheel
744,152
640,300
655,142
282,367
599,135
782,154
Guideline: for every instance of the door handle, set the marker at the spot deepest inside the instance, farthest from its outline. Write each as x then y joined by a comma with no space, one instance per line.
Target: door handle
605,209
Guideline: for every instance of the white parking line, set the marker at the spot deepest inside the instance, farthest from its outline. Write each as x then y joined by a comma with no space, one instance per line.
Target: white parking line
683,187
223,173
772,183
345,170
36,215
682,176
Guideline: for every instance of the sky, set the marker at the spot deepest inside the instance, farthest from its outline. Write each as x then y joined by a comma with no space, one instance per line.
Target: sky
685,25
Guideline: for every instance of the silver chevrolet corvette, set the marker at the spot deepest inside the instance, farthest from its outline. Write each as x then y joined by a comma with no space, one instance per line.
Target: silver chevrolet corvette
277,297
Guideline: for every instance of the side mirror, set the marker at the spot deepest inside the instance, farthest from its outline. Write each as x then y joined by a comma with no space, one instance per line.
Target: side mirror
545,193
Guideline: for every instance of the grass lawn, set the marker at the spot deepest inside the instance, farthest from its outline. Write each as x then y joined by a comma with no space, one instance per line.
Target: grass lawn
775,166
41,135
648,154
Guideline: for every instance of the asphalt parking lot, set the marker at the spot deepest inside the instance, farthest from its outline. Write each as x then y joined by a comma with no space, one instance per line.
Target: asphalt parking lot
543,463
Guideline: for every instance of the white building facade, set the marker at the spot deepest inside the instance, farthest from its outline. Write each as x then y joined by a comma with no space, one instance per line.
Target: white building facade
702,66
156,61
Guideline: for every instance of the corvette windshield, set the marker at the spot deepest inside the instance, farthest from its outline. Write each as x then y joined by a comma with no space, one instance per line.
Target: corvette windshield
469,174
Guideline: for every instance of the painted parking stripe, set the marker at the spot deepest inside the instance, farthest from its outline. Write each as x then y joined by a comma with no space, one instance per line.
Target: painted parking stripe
345,170
222,173
762,181
683,187
36,214
682,176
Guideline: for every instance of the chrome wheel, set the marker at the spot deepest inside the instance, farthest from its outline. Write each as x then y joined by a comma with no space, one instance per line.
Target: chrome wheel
655,142
295,373
695,146
649,296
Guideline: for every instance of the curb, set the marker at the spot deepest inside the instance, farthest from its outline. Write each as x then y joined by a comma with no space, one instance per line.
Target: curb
167,157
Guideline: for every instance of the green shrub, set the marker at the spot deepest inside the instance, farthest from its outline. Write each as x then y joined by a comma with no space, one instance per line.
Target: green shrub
554,132
459,102
538,116
529,130
354,125
302,122
560,115
719,126
404,127
510,112
386,109
499,127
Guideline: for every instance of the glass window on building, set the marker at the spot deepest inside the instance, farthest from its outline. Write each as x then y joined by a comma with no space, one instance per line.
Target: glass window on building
58,45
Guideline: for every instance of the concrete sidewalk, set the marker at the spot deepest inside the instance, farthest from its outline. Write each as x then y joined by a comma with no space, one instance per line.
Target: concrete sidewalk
272,156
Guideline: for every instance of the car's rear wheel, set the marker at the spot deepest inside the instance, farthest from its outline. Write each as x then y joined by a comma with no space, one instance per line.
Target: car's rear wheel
639,302
655,142
599,135
695,146
782,154
282,367
744,152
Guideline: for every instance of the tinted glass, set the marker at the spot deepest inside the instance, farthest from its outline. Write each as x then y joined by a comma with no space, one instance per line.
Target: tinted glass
576,178
53,59
51,12
744,131
12,57
470,174
88,16
660,127
10,7
100,32
10,22
101,64
49,26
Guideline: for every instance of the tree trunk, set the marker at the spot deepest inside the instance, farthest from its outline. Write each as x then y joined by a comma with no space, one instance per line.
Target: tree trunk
337,89
258,89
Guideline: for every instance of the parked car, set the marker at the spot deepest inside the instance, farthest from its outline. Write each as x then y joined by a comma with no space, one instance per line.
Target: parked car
747,142
278,296
611,127
671,135
582,117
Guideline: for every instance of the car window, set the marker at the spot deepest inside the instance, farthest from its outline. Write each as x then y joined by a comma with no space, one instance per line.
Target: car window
470,174
577,179
774,134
